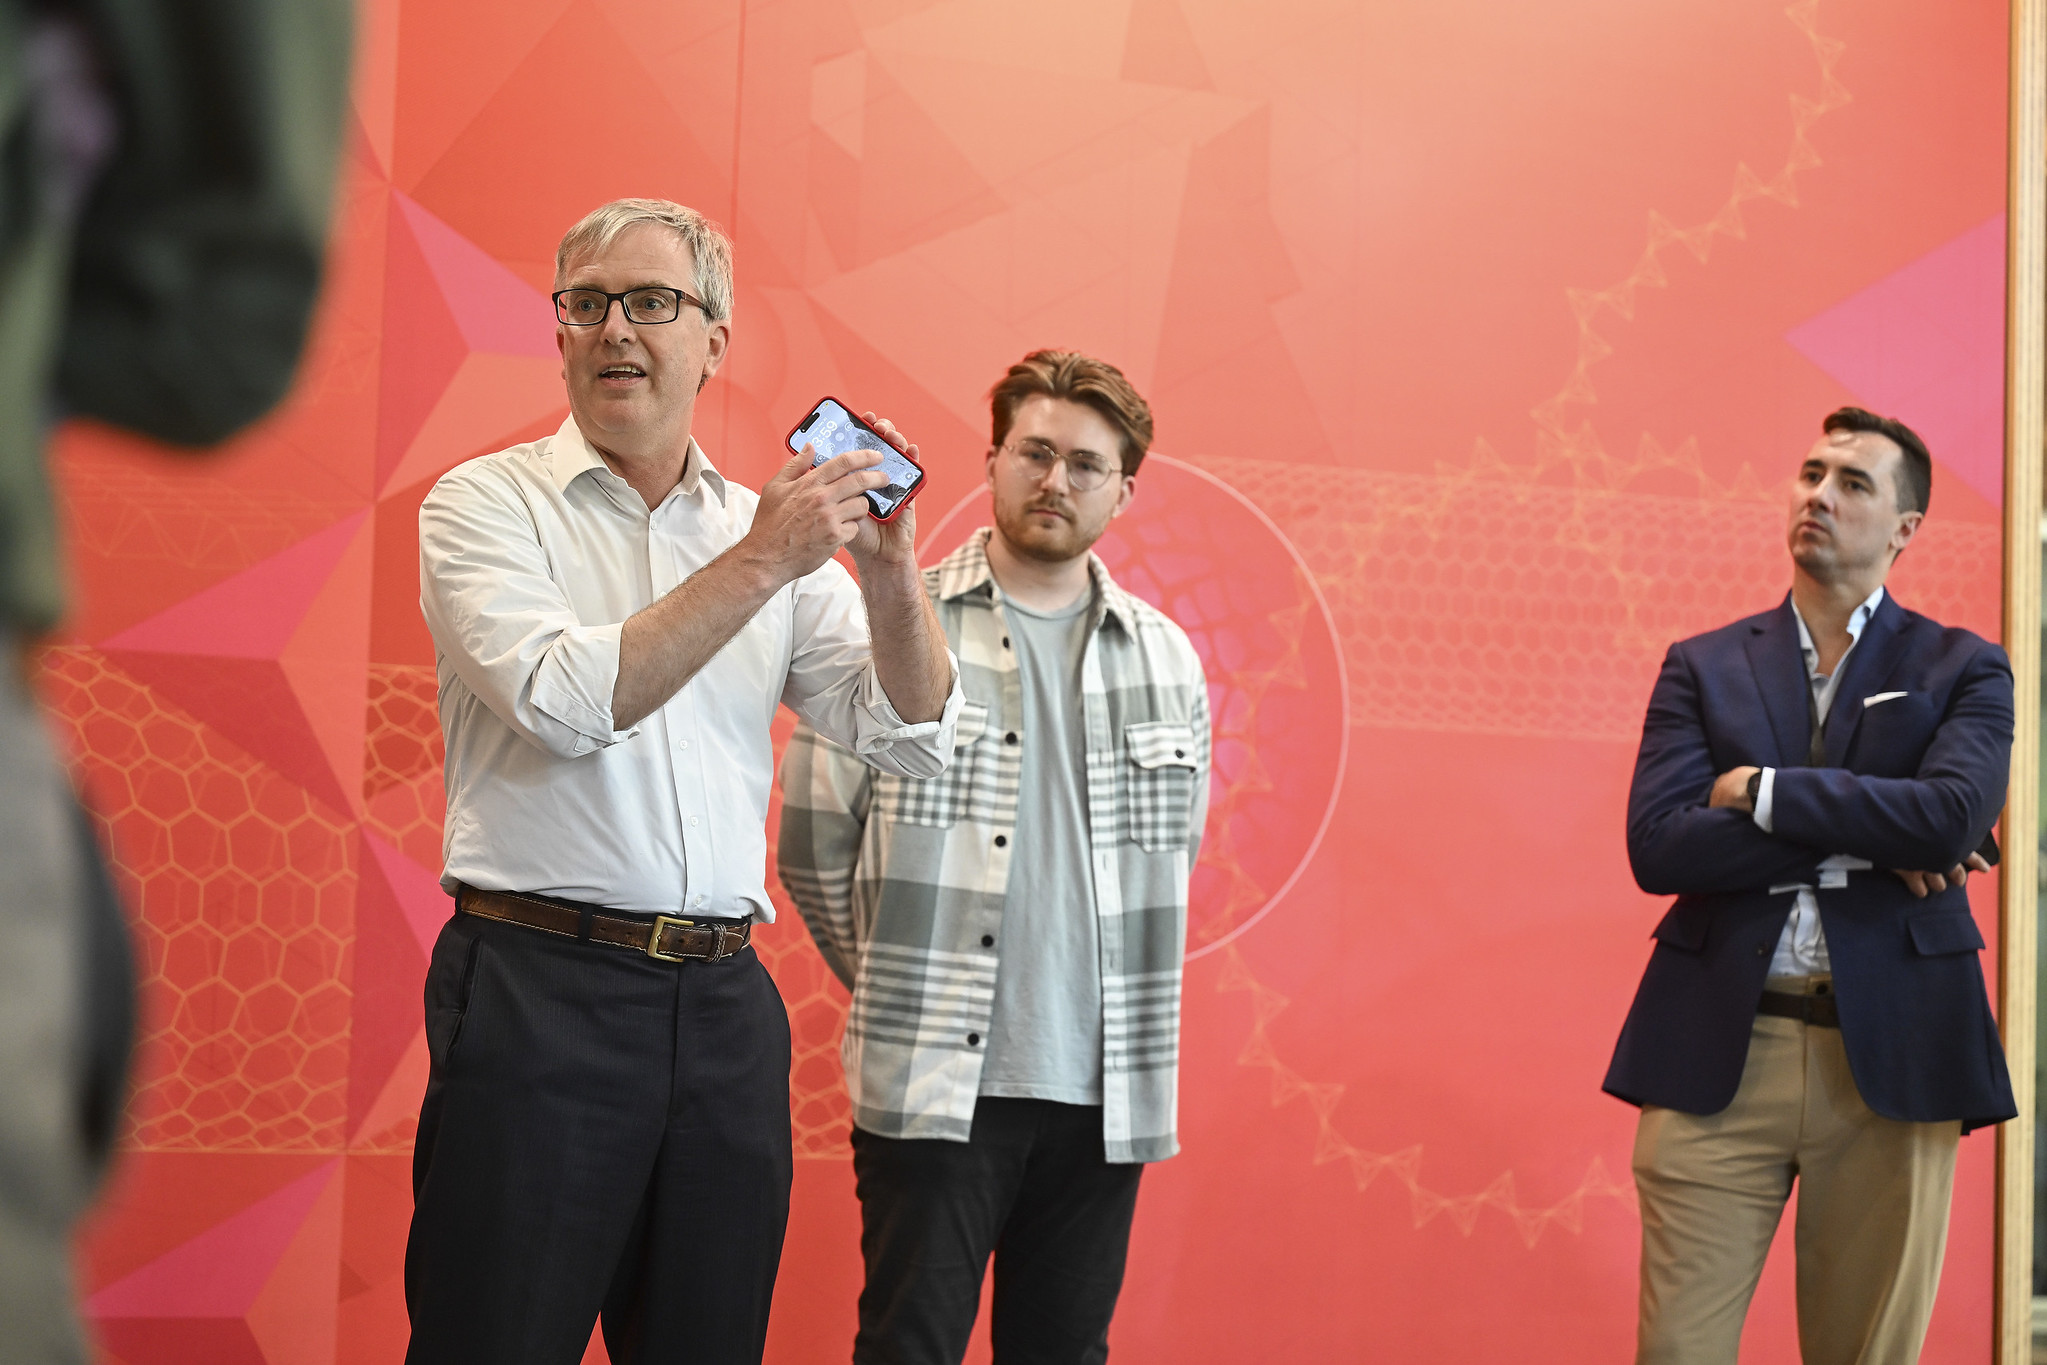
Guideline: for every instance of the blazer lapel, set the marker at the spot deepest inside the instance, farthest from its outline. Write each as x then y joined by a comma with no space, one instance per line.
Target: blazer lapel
1779,667
1872,660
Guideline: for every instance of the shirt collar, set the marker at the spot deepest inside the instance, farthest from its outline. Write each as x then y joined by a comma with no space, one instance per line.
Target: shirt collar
1857,619
965,573
571,455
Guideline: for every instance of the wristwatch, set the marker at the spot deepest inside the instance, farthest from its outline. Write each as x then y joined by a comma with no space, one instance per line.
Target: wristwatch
1755,787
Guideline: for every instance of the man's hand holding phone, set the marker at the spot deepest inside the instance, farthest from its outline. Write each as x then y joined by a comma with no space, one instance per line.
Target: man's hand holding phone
813,507
893,541
861,473
807,512
831,429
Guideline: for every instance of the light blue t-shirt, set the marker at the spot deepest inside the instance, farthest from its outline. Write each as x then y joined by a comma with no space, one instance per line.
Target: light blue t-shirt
1045,1036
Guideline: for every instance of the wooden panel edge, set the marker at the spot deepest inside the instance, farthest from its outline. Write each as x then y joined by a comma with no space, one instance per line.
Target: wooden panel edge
2025,445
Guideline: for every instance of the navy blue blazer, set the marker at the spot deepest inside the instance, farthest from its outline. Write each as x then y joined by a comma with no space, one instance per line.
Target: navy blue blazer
1913,781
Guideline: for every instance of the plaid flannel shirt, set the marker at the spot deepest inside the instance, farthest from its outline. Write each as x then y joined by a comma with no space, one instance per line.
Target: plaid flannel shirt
903,882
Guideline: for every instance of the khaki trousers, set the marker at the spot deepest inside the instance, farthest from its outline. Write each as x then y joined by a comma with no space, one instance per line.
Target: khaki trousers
1872,1208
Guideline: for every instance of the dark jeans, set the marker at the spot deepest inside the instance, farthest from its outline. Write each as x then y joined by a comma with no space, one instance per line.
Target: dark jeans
602,1132
1032,1188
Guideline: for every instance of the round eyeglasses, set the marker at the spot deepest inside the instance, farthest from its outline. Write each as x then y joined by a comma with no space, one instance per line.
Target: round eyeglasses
650,304
1085,470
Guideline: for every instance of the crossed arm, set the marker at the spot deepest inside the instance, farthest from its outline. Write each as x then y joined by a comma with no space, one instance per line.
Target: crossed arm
1691,829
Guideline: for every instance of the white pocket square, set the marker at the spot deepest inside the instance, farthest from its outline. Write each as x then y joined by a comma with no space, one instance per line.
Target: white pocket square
1868,702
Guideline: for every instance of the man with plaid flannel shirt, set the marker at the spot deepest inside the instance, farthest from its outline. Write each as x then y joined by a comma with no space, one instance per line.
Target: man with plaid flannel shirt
1012,930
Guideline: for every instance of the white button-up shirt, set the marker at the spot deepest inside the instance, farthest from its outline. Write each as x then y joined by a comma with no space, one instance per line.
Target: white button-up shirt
530,561
1802,947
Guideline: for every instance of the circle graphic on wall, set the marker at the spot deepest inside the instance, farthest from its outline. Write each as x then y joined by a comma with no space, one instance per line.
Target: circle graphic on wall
1199,551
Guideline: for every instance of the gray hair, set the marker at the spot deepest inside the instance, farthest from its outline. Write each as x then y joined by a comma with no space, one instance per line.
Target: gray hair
709,248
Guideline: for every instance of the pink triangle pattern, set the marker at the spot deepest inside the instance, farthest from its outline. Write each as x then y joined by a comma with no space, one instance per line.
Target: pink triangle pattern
497,311
418,892
1925,344
219,1273
293,1317
255,613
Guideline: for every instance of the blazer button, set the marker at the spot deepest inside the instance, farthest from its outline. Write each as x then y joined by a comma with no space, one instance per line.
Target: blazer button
1002,841
973,1040
1761,949
1009,738
987,940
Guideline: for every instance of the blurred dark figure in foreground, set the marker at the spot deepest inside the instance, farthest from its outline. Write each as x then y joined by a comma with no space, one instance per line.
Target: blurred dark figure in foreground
165,173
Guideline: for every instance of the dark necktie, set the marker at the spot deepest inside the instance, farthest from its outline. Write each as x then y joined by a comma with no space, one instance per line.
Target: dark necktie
1816,751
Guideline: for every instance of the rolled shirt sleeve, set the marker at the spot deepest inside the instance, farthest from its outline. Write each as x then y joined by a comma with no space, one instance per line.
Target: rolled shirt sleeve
833,683
504,625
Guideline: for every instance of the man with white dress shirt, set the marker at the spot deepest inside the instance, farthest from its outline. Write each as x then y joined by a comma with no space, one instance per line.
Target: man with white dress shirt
606,1126
1813,786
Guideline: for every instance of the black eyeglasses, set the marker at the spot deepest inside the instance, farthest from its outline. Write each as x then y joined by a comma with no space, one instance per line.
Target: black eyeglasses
651,304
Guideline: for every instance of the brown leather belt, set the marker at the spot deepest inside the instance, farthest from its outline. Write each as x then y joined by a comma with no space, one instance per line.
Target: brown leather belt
1821,1010
666,938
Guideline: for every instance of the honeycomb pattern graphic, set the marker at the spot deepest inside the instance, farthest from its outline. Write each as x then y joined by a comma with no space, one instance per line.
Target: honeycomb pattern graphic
243,889
404,798
1530,609
820,1114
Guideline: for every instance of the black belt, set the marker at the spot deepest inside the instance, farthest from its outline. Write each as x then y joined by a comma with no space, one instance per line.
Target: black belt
666,938
1822,1010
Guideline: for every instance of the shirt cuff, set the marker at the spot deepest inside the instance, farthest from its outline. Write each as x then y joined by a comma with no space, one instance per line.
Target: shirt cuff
574,683
893,727
1766,793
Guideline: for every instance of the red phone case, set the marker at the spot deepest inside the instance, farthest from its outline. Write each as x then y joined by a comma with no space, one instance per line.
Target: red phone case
796,447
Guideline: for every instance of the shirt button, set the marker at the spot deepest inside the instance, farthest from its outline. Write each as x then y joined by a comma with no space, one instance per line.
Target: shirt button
973,1040
987,940
1001,840
692,822
682,744
1762,948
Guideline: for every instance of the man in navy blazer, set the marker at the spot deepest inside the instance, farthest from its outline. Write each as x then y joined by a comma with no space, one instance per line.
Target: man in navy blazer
1811,784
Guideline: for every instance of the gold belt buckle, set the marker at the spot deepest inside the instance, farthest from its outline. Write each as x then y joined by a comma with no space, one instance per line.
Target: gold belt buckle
654,938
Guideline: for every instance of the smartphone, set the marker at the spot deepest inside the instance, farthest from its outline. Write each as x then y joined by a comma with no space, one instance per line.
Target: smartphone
832,429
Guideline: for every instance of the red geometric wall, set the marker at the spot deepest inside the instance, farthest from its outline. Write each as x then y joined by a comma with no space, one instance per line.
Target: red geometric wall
1481,339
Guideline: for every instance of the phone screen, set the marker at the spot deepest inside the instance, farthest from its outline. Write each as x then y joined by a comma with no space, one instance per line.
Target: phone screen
832,431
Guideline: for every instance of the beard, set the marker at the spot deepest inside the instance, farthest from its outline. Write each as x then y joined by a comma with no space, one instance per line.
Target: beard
1047,540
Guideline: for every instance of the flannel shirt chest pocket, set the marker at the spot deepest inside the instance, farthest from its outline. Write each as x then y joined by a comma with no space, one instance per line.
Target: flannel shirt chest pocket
1155,783
940,801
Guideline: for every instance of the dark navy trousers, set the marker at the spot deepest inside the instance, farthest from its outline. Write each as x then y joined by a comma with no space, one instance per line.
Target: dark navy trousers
602,1134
